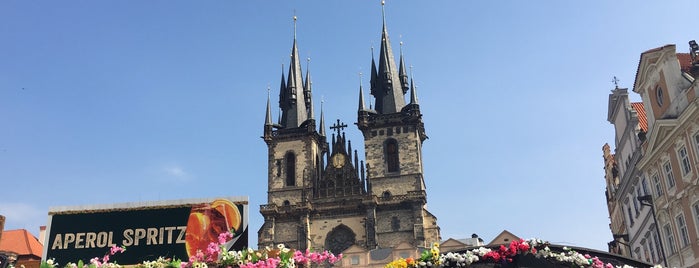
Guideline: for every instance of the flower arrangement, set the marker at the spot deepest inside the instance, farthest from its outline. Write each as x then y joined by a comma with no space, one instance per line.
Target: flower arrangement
431,258
217,255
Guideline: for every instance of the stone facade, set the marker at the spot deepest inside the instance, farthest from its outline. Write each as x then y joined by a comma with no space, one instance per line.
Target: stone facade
322,196
655,183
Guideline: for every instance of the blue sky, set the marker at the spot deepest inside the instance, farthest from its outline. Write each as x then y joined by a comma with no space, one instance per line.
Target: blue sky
123,101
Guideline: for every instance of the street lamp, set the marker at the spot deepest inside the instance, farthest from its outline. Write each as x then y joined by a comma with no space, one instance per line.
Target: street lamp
647,200
624,237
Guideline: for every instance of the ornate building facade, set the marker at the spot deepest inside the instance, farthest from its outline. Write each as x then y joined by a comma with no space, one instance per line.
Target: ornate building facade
320,194
653,175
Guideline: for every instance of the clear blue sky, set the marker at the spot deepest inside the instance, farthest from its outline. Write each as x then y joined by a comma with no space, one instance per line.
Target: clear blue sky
122,101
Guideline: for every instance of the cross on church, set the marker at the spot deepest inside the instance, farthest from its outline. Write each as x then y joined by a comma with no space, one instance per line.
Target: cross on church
339,126
616,82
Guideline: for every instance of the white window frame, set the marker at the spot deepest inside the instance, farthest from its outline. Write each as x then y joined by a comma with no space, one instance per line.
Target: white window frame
644,186
696,143
658,185
651,247
683,157
682,229
656,241
669,239
669,176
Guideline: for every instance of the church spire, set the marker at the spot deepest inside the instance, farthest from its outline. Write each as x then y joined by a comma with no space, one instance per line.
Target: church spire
294,109
361,94
402,71
307,92
283,101
322,119
373,80
413,93
387,90
268,114
267,134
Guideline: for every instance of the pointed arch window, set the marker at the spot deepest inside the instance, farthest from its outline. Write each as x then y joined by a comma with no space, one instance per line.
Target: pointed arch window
392,160
290,169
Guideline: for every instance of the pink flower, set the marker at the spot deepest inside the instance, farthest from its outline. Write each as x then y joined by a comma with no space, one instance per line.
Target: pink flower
224,237
115,250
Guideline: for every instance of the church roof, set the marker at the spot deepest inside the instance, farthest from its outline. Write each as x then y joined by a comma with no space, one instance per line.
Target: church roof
21,242
642,118
505,237
685,60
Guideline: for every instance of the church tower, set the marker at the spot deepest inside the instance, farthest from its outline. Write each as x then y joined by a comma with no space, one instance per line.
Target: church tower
295,149
320,194
393,136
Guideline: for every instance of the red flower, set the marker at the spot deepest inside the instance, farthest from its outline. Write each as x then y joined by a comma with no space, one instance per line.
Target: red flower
493,255
523,246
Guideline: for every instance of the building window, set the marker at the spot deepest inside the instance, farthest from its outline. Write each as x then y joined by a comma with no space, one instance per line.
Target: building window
644,249
656,241
395,224
696,143
635,202
670,239
684,160
386,194
644,185
392,155
290,169
658,185
682,229
628,211
668,175
354,260
651,248
659,96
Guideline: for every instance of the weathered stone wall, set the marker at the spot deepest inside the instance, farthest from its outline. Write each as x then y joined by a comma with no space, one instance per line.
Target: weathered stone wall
321,227
409,149
307,152
386,223
398,185
287,233
432,234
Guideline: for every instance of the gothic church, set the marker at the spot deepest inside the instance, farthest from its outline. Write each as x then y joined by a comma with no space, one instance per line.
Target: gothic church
320,195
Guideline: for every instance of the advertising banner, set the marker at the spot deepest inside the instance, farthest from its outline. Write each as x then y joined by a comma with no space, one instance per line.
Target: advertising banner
171,229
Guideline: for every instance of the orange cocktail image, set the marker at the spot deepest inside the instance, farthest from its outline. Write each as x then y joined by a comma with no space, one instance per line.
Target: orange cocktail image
207,221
